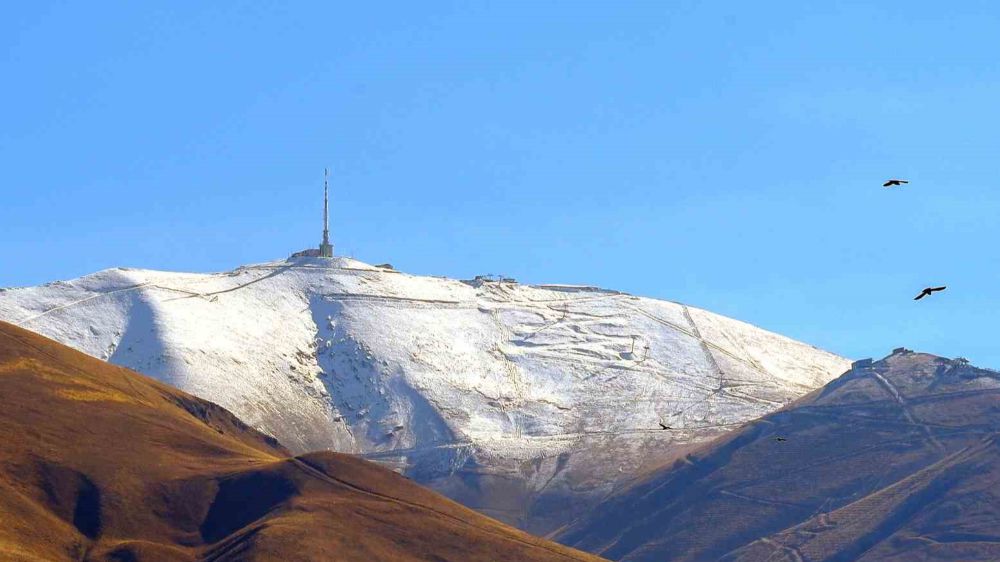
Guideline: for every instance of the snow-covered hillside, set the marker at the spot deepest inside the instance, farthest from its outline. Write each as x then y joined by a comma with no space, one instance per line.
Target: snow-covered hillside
527,402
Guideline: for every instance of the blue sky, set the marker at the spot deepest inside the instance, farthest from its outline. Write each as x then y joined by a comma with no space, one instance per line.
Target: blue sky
728,155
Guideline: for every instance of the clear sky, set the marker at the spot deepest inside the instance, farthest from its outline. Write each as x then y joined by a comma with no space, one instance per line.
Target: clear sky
728,155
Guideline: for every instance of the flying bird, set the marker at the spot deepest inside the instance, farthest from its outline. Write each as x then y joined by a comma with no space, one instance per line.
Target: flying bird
891,183
664,426
926,292
780,439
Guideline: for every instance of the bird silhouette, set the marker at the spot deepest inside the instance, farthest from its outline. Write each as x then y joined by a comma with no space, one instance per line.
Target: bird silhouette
664,426
926,292
780,439
891,183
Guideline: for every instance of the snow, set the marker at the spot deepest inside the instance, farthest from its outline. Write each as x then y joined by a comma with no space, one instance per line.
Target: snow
433,374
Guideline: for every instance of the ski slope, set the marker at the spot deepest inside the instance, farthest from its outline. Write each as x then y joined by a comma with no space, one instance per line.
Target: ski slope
526,402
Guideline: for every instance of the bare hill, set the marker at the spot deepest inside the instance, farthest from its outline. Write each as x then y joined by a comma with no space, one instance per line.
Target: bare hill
101,463
894,460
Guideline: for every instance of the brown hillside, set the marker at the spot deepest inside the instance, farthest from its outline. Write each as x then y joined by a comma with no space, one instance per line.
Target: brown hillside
101,463
895,460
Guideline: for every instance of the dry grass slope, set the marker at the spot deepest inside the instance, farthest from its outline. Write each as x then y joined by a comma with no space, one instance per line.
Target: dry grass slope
101,463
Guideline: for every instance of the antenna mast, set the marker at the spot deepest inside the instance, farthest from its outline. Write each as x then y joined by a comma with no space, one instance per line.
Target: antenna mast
325,248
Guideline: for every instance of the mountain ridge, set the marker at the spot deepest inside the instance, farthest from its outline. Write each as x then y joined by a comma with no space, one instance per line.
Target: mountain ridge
894,460
520,400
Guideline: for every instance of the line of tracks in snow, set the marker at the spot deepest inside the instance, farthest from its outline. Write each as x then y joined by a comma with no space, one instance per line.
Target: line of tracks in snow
704,346
511,370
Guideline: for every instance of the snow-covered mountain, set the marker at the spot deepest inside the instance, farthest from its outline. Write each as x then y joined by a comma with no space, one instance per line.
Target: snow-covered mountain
529,403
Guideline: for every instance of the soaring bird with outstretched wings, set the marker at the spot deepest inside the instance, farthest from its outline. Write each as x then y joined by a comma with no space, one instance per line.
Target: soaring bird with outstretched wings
926,292
891,183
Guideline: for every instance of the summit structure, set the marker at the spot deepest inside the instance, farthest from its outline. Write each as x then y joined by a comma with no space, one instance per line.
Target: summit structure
325,248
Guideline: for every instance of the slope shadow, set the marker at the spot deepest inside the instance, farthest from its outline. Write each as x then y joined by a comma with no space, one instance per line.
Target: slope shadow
72,496
244,498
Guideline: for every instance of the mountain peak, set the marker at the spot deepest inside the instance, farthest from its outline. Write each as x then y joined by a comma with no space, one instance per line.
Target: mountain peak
502,395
